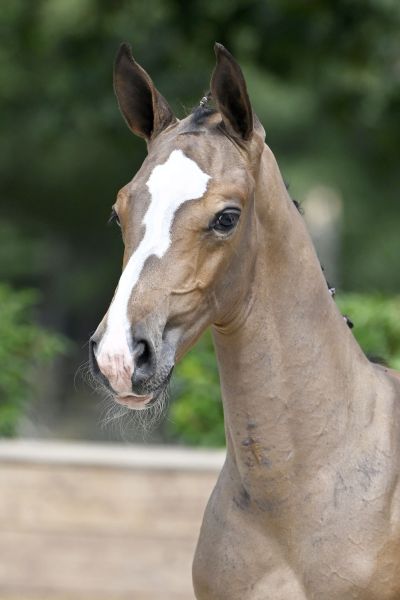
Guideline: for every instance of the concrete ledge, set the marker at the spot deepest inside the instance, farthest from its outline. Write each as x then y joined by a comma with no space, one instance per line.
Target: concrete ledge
83,521
110,455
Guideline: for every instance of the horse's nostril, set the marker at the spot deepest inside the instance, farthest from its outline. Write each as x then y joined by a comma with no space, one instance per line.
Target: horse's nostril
142,354
144,359
94,367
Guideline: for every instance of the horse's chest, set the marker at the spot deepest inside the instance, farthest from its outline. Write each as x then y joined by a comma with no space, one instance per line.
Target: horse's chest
337,550
231,568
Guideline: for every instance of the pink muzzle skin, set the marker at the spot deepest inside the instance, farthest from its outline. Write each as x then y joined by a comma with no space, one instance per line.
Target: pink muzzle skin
134,402
118,369
119,375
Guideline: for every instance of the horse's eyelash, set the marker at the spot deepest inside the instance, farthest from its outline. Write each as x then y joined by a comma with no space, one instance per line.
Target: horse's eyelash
113,218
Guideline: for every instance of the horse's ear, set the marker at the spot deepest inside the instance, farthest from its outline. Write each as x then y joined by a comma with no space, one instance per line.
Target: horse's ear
229,91
145,110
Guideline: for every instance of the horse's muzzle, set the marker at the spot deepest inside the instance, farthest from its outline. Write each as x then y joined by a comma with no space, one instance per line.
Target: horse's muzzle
133,376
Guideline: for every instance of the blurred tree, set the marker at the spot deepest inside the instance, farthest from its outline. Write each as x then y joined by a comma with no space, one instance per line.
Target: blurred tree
23,347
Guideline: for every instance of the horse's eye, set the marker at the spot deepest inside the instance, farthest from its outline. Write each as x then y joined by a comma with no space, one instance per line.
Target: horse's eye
114,218
226,220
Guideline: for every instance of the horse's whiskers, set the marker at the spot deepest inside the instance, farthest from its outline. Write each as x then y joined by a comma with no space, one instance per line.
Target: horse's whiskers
122,418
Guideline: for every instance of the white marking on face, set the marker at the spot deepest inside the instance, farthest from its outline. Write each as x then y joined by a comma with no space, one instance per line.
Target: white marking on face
170,184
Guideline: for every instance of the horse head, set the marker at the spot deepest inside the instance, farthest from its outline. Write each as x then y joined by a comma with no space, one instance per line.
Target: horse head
188,227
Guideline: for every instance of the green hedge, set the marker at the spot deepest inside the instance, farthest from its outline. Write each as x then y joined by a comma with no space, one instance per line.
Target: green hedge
23,346
196,415
376,324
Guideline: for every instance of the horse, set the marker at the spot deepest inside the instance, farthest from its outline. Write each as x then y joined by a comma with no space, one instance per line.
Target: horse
307,504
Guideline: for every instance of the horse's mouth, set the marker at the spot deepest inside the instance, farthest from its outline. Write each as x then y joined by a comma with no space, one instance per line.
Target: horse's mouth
143,401
135,402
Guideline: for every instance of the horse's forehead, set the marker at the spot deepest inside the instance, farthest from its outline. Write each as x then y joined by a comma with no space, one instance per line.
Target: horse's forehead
178,179
185,162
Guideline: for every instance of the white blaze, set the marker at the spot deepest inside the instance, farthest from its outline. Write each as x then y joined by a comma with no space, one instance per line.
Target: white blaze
171,184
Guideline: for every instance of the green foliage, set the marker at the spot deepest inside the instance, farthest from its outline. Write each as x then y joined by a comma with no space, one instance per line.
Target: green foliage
23,346
196,415
376,324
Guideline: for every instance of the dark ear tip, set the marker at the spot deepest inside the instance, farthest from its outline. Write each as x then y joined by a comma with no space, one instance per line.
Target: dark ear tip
124,51
220,50
222,53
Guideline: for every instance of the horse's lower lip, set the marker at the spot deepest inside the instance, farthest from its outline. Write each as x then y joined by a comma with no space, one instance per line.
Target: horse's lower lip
133,401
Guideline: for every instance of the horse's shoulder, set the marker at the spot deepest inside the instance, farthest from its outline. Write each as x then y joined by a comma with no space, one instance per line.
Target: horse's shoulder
389,372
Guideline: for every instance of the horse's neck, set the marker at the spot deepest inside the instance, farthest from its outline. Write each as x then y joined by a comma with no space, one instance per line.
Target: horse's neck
294,381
